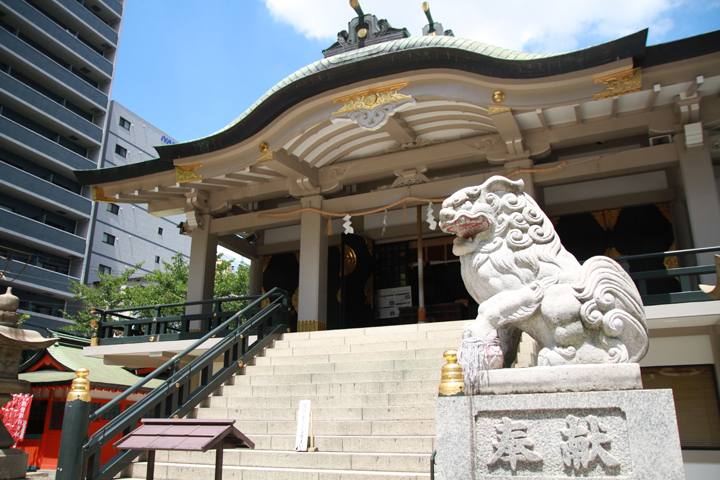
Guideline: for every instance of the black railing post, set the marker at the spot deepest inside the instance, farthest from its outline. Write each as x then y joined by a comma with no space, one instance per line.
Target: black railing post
75,428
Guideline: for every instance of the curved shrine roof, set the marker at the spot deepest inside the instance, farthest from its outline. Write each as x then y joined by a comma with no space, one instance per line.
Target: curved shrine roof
405,55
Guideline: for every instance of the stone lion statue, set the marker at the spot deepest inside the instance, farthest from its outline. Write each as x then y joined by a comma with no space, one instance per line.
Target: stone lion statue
522,278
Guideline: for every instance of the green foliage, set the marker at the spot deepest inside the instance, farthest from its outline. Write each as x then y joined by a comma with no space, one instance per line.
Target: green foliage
159,287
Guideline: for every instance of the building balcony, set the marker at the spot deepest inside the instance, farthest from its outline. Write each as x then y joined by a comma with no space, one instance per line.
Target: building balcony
79,18
109,10
26,231
57,40
38,280
36,191
44,111
40,150
49,73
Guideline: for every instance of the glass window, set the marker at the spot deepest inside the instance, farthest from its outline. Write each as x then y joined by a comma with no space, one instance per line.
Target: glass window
109,239
113,208
157,259
124,123
160,230
105,269
121,151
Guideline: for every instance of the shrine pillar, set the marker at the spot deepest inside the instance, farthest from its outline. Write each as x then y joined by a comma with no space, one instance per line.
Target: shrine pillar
312,291
201,275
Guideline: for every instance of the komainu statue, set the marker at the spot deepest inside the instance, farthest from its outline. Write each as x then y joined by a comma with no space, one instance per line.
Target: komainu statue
523,279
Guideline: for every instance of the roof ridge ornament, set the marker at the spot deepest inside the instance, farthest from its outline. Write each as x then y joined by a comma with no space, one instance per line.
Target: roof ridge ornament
432,28
364,30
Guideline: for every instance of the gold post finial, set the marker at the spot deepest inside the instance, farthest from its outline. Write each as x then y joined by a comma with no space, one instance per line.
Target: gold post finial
425,6
451,378
80,388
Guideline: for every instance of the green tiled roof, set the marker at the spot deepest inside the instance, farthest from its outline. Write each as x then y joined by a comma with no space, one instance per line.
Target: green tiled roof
71,357
411,43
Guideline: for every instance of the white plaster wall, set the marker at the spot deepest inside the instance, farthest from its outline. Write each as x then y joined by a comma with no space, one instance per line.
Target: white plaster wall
701,465
685,350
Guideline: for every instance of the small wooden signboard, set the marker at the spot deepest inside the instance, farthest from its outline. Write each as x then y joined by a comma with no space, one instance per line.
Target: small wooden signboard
185,434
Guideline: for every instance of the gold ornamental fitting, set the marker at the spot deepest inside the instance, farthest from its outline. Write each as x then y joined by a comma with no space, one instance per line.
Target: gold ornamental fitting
498,97
80,387
362,33
264,147
451,378
425,6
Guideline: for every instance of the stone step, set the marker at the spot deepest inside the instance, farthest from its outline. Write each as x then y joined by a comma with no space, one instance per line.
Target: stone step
322,414
350,388
323,401
339,377
366,347
345,367
384,462
380,331
317,358
329,443
206,472
293,341
356,428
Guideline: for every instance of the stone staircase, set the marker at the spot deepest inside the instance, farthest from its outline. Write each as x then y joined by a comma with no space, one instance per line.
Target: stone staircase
373,396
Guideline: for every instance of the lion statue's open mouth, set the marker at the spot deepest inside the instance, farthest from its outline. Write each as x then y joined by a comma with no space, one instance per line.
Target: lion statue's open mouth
515,267
466,226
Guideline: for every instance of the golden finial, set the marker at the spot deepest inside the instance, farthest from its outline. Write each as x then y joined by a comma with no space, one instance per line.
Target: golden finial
451,378
425,6
80,388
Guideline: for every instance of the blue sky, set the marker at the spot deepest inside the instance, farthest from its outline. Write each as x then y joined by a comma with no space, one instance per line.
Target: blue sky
191,70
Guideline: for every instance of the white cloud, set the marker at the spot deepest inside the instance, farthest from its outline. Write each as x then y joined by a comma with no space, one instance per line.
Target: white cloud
550,26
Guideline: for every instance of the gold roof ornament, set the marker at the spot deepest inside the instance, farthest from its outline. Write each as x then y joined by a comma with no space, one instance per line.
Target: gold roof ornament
451,378
621,83
80,387
187,173
98,195
373,98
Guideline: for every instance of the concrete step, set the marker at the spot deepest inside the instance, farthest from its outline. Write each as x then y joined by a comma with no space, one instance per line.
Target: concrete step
323,401
344,443
350,388
359,366
207,472
317,358
347,428
339,377
293,341
374,462
322,414
366,347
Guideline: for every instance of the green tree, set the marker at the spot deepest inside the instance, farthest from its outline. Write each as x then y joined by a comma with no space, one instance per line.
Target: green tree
159,287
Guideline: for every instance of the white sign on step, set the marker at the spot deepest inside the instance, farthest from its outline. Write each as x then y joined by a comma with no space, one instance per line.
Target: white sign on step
301,438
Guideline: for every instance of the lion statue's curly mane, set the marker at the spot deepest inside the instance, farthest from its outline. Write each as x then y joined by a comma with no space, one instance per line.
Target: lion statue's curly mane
516,268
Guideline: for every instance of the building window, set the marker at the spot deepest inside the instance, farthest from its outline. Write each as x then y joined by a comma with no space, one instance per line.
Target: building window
124,123
109,239
104,269
157,258
159,231
7,207
113,208
121,150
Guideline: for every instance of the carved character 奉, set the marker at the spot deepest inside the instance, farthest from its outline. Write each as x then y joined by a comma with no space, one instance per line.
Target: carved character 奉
521,276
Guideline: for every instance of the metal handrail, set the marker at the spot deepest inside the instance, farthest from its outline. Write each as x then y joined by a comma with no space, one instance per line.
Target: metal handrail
174,397
670,253
183,304
173,362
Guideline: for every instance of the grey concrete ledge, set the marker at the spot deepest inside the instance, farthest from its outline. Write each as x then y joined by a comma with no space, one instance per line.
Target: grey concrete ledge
566,378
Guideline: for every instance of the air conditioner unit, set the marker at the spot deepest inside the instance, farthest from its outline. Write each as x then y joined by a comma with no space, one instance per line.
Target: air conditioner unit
660,140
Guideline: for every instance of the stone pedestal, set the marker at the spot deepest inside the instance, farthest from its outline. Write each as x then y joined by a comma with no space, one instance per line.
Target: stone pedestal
590,421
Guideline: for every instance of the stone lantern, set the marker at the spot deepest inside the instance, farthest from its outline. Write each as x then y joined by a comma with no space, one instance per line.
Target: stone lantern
13,340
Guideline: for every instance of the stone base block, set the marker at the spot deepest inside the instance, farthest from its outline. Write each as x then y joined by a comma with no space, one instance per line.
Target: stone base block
13,463
628,434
